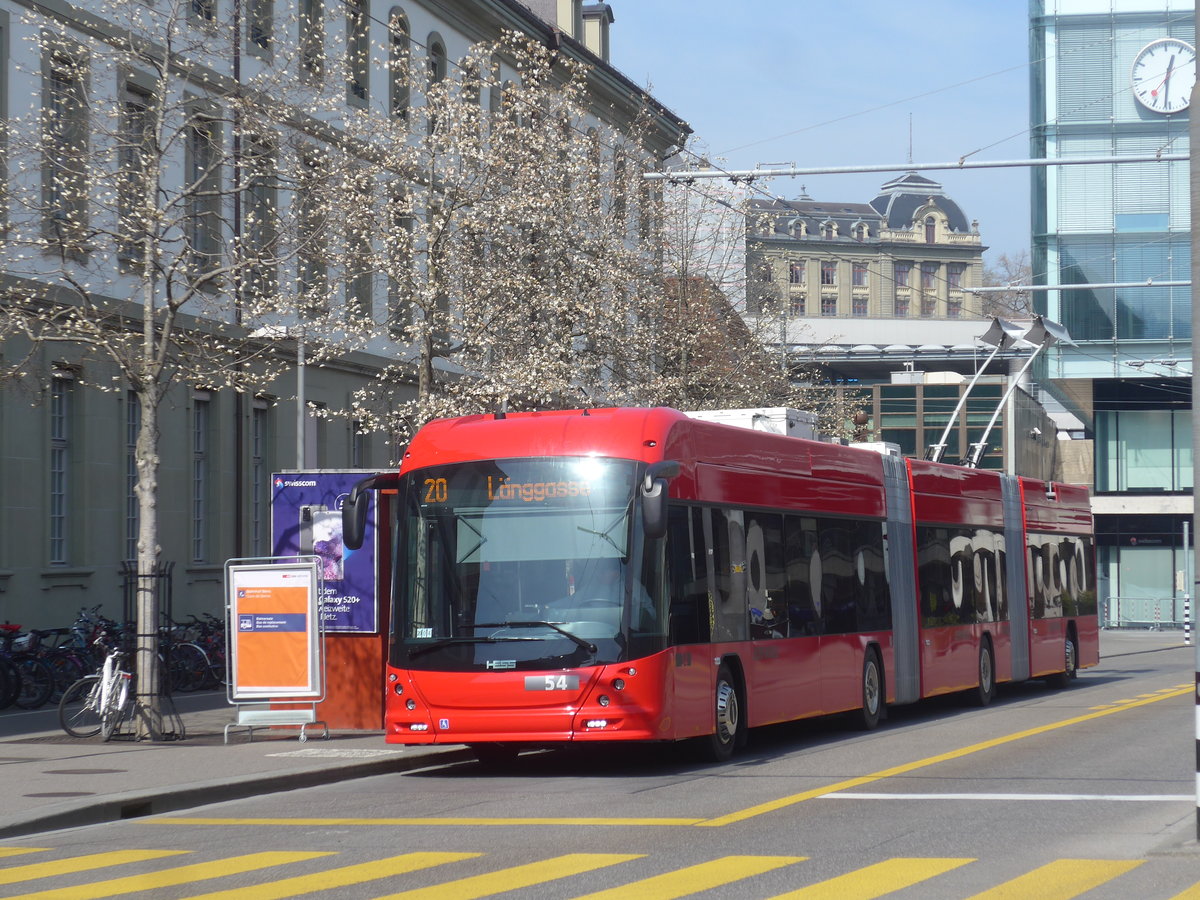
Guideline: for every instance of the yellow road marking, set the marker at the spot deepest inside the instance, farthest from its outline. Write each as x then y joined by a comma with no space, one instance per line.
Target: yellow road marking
195,820
877,880
694,879
905,768
171,877
719,821
516,877
343,876
28,872
1192,893
20,851
1060,880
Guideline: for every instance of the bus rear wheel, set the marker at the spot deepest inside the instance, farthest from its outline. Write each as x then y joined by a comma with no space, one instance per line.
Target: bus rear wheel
1070,661
872,692
987,675
719,746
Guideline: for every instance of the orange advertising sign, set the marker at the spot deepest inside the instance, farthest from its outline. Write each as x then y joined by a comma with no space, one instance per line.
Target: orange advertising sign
275,631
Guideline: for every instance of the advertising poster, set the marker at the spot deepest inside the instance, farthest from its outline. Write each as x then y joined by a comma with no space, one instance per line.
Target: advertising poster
275,633
306,520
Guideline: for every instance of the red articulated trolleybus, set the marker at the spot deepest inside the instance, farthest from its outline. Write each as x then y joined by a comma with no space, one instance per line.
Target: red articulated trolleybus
639,575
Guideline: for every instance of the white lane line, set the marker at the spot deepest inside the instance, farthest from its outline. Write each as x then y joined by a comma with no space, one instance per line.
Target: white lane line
1133,798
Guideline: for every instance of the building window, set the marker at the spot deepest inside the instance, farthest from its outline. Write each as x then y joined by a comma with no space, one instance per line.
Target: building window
954,273
358,444
134,149
828,231
928,306
862,232
765,274
829,271
358,52
618,189
204,12
798,305
903,272
859,306
133,424
929,271
400,265
930,230
62,402
436,74
796,273
828,305
259,478
201,408
399,50
312,40
260,218
310,226
360,300
260,20
901,307
65,146
203,195
954,309
859,275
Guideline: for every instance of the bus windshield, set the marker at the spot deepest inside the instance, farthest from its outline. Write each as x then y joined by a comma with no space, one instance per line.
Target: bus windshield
522,564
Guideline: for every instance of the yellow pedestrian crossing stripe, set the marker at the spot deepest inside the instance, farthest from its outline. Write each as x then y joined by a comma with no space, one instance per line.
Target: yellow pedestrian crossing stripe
156,870
1061,879
877,880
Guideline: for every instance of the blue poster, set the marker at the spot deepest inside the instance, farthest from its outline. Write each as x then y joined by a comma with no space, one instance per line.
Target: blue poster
306,520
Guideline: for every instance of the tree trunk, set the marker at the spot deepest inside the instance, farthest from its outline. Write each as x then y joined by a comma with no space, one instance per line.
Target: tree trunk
150,721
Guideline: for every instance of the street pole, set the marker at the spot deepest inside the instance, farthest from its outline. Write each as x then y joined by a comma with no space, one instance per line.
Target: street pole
300,402
1194,183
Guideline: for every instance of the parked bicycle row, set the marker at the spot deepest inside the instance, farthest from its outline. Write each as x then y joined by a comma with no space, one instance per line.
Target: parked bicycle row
39,665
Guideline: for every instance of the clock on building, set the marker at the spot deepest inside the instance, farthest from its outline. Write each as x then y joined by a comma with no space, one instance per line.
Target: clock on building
1163,74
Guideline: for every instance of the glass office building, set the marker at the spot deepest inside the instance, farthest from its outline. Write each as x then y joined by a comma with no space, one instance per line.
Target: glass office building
1113,78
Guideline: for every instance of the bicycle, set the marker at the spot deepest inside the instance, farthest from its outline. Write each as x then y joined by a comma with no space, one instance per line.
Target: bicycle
97,704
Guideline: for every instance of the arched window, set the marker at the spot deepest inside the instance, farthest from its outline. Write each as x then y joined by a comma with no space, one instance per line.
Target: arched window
827,231
930,230
436,73
399,51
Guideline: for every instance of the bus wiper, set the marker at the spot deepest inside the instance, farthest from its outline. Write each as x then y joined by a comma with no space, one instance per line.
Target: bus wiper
451,641
586,645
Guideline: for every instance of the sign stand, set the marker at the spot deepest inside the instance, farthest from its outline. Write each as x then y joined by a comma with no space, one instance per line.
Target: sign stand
276,642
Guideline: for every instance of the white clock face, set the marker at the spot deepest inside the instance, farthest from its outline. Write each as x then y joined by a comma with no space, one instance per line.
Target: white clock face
1163,74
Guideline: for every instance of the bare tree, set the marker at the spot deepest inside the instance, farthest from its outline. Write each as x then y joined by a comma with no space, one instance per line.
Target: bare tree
163,209
1008,272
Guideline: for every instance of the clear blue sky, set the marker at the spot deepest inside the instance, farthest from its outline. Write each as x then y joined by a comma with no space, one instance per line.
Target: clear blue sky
820,83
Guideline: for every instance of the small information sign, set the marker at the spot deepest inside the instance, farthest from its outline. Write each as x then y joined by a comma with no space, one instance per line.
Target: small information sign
275,641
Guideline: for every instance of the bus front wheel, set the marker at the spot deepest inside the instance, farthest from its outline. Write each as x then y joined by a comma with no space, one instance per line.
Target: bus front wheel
987,675
719,745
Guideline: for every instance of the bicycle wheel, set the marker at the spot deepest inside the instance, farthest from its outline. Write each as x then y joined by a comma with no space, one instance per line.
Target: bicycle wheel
37,682
67,670
115,709
10,682
77,710
189,667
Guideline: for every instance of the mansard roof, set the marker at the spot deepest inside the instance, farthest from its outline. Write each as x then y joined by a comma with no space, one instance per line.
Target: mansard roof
900,198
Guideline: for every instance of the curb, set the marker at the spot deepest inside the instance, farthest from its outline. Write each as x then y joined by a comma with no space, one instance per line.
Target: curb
138,804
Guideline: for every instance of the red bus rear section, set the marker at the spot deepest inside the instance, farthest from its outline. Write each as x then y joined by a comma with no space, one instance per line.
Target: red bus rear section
636,574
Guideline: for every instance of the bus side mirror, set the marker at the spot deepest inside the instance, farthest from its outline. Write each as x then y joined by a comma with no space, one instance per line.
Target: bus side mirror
356,505
654,497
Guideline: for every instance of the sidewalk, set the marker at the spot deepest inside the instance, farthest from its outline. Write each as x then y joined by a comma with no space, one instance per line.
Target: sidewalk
56,781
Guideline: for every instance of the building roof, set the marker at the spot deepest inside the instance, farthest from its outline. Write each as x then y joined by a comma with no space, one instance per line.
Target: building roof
901,197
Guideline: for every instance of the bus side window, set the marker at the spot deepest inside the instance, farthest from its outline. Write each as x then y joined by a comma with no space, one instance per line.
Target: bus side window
688,573
729,575
799,547
765,575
